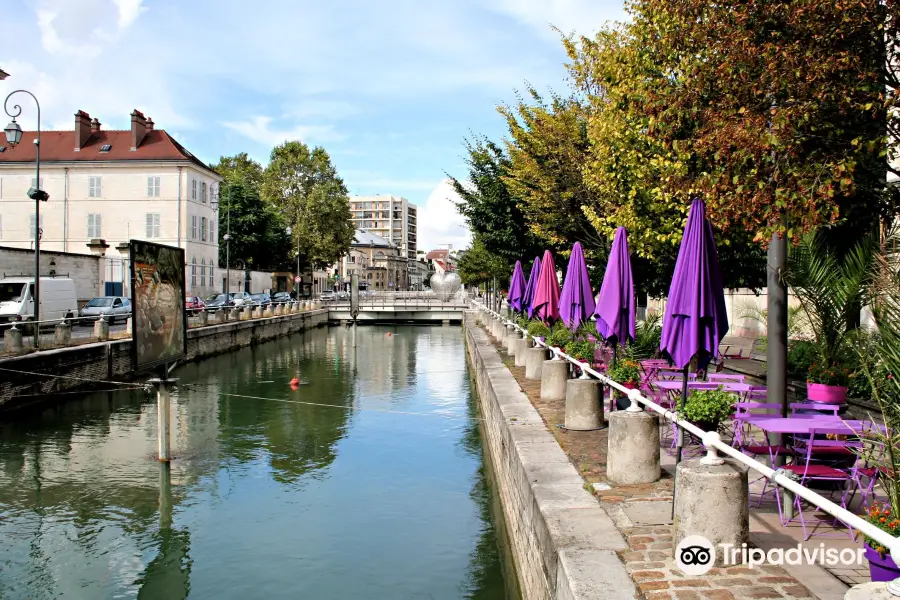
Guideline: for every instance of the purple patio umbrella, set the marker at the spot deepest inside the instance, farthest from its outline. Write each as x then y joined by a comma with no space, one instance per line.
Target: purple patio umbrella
576,303
695,320
546,296
516,288
616,304
531,287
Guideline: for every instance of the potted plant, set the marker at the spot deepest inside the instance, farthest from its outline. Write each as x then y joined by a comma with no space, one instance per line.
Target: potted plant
830,289
827,384
707,409
560,337
538,329
626,372
881,566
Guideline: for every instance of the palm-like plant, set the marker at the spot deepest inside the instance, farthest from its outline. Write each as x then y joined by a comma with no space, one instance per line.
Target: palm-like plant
831,292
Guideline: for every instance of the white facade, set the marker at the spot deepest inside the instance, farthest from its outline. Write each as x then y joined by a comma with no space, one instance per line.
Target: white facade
392,217
117,201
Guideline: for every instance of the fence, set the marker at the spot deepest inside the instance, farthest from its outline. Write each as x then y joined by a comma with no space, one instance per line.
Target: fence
713,444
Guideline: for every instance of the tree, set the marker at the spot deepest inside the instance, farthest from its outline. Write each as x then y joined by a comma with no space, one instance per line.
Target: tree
303,186
240,167
480,265
493,213
547,147
259,237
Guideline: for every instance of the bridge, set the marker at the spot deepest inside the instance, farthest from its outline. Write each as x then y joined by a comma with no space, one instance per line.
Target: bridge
400,307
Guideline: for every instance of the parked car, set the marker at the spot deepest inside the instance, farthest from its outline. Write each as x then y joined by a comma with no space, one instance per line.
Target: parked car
262,300
241,298
281,298
58,299
194,303
109,307
327,296
342,295
215,302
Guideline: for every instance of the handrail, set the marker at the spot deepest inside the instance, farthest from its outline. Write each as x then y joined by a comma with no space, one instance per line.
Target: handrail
713,444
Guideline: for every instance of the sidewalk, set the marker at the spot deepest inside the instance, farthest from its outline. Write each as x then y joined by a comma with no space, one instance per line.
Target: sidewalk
643,514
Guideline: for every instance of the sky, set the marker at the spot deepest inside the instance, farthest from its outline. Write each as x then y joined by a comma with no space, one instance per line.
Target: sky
390,88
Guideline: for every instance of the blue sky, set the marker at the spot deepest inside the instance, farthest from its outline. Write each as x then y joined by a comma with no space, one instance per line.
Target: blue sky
389,88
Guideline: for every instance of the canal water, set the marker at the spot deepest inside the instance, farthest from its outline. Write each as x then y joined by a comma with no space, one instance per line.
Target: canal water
366,482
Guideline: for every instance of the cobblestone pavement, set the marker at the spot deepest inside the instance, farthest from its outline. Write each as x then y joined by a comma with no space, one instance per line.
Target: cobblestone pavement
648,528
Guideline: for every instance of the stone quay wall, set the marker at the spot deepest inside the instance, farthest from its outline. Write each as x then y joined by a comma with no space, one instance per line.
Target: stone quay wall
564,544
31,378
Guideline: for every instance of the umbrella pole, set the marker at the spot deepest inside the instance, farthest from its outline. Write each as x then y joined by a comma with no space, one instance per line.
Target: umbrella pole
615,404
679,444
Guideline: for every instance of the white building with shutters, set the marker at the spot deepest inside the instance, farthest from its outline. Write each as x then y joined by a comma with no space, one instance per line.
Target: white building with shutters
115,186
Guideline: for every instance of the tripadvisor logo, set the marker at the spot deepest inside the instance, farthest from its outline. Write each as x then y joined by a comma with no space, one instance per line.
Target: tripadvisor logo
696,555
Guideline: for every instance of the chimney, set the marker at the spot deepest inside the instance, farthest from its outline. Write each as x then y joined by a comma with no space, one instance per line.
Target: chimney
82,129
95,125
149,124
138,128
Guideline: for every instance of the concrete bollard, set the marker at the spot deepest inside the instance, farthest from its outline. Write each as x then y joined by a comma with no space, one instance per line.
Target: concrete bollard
633,452
246,312
129,328
220,316
554,374
257,312
512,336
12,340
101,329
873,590
534,362
712,501
63,334
584,410
204,318
279,310
268,312
521,346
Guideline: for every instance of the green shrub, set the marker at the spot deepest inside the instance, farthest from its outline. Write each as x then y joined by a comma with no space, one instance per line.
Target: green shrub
800,357
709,408
560,336
537,328
581,350
625,371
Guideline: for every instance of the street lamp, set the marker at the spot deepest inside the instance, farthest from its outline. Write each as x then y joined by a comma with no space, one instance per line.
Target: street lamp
13,136
289,231
227,238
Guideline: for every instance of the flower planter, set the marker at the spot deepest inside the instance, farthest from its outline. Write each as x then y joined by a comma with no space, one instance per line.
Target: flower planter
826,394
881,569
630,385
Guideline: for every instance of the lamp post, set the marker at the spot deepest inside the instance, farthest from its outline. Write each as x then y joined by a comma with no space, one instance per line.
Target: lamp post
13,137
290,231
227,238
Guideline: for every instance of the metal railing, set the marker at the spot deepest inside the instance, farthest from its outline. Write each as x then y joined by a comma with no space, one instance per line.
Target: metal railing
714,444
401,299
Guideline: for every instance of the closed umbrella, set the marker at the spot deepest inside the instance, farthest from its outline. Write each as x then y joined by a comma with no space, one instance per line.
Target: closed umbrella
695,320
616,304
516,288
531,288
576,303
546,296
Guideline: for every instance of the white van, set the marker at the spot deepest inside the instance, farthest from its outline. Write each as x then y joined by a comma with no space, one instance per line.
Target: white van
58,299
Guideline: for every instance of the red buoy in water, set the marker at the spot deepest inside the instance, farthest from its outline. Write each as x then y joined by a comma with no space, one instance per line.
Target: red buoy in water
389,334
295,381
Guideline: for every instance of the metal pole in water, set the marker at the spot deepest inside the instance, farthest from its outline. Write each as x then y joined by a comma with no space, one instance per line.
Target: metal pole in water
163,418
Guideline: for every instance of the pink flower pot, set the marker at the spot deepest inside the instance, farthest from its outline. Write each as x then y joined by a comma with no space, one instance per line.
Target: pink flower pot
826,394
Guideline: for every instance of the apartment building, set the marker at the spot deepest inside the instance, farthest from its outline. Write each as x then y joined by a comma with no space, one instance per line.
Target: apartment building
113,185
393,218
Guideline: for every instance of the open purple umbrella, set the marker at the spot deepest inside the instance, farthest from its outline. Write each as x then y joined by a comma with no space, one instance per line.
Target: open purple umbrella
695,320
531,287
516,288
576,303
546,296
616,304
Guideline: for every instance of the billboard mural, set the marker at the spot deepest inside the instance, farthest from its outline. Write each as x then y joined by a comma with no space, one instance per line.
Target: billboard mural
158,292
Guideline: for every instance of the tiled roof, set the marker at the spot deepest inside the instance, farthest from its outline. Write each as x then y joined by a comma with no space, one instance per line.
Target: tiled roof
440,254
59,146
367,238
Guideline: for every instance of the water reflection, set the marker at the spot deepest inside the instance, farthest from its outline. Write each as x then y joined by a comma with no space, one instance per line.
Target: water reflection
365,483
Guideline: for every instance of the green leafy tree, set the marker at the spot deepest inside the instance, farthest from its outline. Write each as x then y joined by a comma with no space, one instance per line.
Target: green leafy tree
493,213
479,265
240,167
303,186
259,236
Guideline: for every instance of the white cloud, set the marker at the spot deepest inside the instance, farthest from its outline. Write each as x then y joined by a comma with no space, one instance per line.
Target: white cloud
129,11
584,17
440,222
258,129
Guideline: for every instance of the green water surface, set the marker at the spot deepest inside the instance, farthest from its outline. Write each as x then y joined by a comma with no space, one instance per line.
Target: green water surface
366,483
